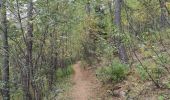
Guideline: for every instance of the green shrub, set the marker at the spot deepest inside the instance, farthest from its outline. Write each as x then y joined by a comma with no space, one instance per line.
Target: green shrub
116,72
69,70
161,97
64,72
59,73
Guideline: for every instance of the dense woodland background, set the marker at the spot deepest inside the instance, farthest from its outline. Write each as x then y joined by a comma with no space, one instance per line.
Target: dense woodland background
124,42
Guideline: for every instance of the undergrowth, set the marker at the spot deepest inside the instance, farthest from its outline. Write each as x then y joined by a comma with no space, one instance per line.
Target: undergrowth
64,72
63,84
115,72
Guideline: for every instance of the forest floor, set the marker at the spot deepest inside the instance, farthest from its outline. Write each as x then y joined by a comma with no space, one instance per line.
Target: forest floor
84,86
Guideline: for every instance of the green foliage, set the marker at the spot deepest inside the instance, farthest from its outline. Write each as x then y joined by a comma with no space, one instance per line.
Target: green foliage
161,97
17,95
167,84
133,3
150,68
63,32
142,72
58,91
63,84
64,72
116,72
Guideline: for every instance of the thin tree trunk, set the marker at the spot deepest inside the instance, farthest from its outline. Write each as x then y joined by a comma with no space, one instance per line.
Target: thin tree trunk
117,21
163,13
5,67
28,70
88,9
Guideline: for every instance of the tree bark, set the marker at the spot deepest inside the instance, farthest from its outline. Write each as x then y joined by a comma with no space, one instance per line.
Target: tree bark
28,70
88,9
5,67
163,13
117,21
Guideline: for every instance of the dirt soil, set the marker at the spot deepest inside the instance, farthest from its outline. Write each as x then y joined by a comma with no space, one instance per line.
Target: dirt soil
85,84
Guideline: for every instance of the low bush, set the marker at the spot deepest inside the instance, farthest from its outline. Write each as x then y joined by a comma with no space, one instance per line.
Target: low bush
116,72
64,72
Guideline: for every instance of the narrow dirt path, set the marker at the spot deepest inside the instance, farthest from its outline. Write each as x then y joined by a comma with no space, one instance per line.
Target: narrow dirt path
85,84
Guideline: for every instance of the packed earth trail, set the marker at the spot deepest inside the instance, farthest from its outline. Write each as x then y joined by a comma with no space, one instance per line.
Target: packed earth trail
85,84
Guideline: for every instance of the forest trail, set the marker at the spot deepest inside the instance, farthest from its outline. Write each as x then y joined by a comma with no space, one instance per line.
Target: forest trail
85,84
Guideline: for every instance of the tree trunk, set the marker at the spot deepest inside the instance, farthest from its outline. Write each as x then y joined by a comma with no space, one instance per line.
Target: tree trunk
5,66
163,13
88,9
28,70
121,48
